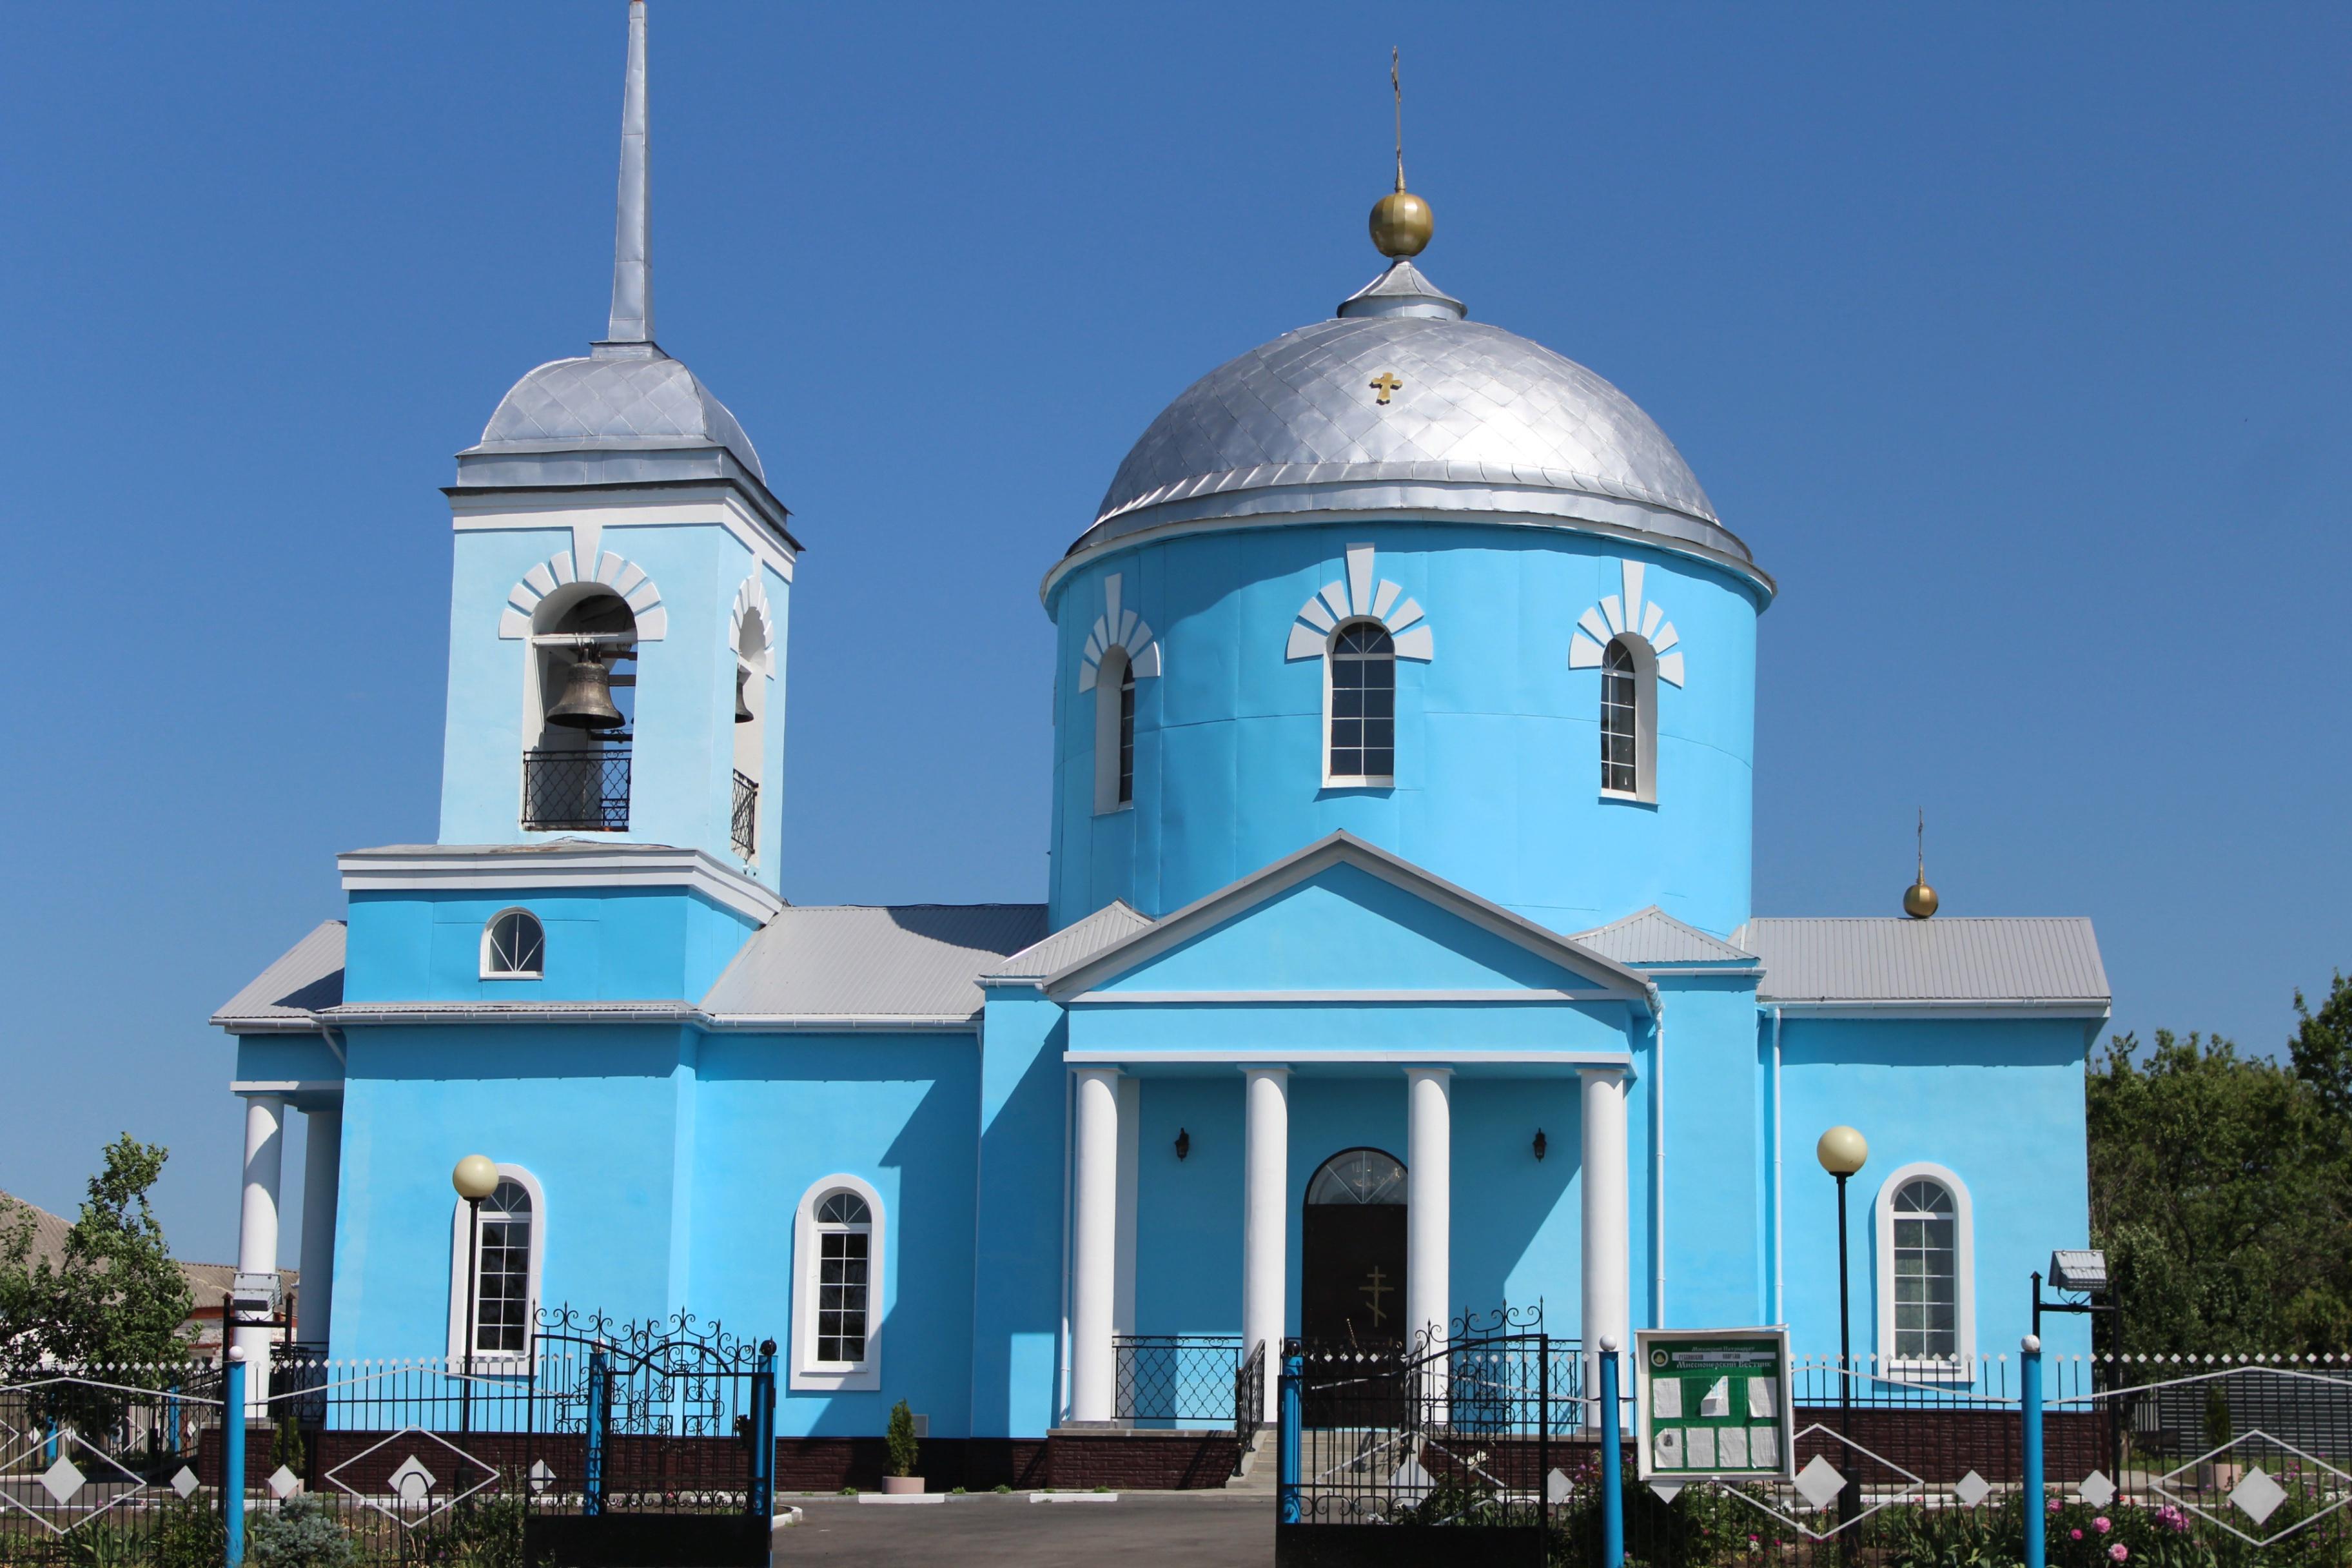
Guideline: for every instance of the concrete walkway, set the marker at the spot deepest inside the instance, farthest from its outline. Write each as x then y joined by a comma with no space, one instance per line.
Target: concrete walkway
1141,1530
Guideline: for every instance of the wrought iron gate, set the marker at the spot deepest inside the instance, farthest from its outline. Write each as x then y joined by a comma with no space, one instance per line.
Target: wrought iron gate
654,1446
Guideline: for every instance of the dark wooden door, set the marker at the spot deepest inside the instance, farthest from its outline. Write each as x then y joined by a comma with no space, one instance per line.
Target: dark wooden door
1351,1273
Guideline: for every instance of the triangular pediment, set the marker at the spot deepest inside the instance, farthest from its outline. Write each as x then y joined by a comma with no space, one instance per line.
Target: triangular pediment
1343,918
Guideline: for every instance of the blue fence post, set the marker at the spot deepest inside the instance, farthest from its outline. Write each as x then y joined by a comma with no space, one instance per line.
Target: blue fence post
2037,1512
1612,1461
1287,1442
592,1469
233,1459
763,1433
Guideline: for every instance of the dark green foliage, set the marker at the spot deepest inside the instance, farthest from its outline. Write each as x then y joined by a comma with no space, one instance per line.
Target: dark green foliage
2219,1187
116,1296
2322,1048
189,1535
301,1533
900,1438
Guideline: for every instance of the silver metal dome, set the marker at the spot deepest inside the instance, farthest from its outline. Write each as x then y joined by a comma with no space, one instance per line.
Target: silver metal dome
624,397
1400,404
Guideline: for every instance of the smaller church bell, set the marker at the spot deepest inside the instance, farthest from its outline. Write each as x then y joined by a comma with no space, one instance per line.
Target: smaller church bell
587,699
742,707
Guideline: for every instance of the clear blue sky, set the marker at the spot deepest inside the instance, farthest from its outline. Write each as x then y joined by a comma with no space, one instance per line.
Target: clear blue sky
2013,339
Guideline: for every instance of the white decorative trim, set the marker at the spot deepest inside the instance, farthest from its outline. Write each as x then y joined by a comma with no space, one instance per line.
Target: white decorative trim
1630,618
712,506
460,1236
1306,1058
752,597
623,578
1964,1273
1326,998
1360,598
1122,628
807,1371
422,868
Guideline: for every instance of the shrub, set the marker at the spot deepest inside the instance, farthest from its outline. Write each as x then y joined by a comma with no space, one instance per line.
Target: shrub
302,1533
900,1437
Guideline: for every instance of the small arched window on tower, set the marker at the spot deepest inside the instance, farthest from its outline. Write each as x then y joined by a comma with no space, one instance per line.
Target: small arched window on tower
1114,732
751,732
1629,721
514,946
1359,706
581,698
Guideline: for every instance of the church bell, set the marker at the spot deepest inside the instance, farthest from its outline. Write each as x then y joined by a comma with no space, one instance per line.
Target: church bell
587,699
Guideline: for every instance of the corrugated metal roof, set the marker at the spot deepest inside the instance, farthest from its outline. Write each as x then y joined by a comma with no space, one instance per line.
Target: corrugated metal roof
1078,941
916,961
2009,960
1653,936
306,978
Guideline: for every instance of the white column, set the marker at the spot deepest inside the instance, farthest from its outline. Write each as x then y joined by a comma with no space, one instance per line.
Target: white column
256,1235
1265,1217
1605,1211
1094,1247
1428,1203
323,1160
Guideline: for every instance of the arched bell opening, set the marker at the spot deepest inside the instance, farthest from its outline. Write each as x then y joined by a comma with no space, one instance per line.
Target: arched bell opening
579,710
751,732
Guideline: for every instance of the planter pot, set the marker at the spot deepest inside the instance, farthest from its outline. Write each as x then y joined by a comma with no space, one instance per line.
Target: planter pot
902,1485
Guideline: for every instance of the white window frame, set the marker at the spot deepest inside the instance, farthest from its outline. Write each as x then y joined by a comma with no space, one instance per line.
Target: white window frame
538,973
1646,717
807,1371
1112,673
460,1240
1330,663
1964,1276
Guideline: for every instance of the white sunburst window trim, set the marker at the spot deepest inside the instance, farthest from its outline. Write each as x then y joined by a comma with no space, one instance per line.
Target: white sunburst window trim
1120,628
623,578
1627,617
1360,598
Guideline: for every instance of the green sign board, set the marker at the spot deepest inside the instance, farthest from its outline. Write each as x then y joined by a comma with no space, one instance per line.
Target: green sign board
1712,1403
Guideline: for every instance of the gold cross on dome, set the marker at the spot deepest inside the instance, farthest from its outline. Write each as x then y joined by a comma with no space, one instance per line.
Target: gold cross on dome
1384,384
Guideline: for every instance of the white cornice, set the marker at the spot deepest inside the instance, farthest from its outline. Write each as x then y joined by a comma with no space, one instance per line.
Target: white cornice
1308,1057
716,505
1328,998
436,867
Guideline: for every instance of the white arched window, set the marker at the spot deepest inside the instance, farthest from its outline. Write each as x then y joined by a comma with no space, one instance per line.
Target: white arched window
1359,706
1629,721
1926,1273
1114,732
514,946
837,1300
499,1259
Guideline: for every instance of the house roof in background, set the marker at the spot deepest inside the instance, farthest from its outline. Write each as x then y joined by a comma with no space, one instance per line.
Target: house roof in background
1999,961
872,961
209,1283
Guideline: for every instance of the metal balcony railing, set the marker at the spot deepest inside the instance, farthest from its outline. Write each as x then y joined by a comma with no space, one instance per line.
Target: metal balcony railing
1187,1379
745,829
577,790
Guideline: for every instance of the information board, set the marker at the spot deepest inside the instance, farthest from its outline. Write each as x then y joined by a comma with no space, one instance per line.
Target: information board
1712,1403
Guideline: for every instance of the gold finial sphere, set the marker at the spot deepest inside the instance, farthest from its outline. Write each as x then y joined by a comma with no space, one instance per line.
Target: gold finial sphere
1842,1150
476,1177
1919,900
1402,223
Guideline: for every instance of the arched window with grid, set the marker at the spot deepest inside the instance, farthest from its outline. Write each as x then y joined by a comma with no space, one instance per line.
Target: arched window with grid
1360,706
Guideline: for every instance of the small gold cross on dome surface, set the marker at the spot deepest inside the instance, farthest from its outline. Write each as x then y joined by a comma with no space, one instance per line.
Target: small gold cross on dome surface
1384,384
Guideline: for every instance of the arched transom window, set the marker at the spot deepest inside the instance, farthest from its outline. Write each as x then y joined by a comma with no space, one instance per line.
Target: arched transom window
514,946
1621,710
1358,1176
1361,723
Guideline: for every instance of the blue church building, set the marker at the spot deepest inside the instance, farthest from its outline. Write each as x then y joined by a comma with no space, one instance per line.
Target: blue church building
1397,957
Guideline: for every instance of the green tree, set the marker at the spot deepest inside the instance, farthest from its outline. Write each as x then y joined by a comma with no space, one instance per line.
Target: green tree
113,1295
2322,1048
2218,1188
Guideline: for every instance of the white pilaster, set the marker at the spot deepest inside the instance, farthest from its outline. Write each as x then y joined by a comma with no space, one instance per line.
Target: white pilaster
1266,1213
256,1235
322,1161
1428,1203
1606,1211
1094,1247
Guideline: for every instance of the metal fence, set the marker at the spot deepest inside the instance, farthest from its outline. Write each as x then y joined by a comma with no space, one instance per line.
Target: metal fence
586,790
1180,1380
743,821
98,1465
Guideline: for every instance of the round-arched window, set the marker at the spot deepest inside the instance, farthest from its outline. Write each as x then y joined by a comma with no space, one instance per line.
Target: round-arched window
1362,721
1359,1176
1927,1275
514,946
844,1237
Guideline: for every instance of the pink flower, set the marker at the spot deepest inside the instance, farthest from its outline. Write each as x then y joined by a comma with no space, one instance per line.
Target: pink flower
2076,1535
2055,1505
2118,1552
2100,1524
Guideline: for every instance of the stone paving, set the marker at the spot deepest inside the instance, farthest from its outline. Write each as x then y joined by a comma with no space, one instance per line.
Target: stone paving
1141,1530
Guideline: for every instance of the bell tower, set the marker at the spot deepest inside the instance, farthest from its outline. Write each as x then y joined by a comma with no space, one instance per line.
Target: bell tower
620,597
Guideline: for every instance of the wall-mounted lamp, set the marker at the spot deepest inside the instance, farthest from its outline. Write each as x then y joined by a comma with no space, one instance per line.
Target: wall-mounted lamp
1183,1143
1540,1144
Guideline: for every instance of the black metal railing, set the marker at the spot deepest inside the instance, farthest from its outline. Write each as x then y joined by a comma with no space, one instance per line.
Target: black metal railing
1249,1394
576,789
1184,1379
745,825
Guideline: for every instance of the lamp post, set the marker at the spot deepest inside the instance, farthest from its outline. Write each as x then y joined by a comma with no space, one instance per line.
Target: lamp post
1842,1152
476,1178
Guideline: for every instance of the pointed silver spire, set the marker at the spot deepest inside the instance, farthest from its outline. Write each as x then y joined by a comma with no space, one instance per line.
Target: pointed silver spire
632,260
